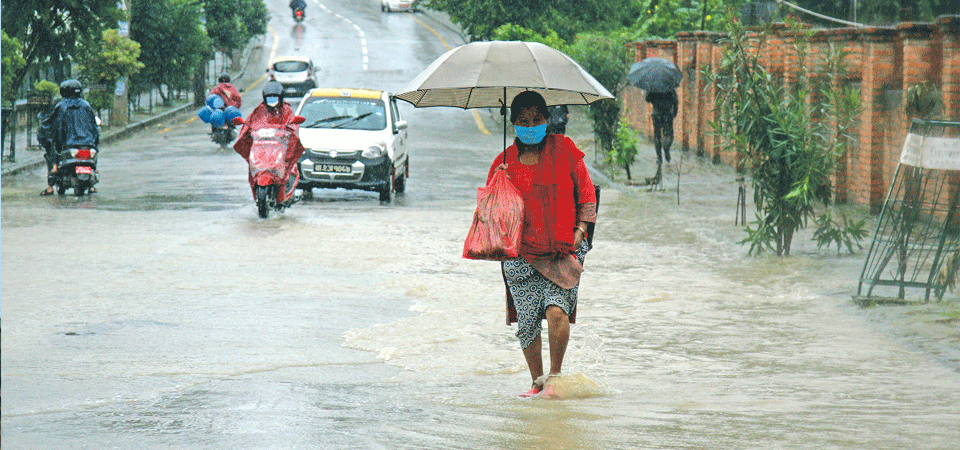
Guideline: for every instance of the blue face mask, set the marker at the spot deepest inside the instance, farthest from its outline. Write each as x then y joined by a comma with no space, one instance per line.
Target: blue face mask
272,100
531,135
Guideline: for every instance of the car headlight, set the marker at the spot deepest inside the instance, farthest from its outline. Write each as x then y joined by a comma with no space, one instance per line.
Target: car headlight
375,151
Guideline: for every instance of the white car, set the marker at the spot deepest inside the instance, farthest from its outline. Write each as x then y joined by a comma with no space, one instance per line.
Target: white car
354,139
396,5
297,74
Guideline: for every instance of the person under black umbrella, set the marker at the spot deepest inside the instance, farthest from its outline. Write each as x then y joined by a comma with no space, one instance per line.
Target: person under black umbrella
659,78
663,111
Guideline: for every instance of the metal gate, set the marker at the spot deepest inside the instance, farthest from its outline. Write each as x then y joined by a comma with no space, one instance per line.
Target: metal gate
917,241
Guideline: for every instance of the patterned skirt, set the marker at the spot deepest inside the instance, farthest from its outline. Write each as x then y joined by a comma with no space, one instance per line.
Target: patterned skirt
532,293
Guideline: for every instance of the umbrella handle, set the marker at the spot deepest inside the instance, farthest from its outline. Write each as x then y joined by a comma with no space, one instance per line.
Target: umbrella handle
503,112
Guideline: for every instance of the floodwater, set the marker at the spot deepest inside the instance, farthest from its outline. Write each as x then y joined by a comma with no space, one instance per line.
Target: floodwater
138,320
162,314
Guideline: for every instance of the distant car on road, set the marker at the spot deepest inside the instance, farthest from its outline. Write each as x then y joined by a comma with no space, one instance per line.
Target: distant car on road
354,139
297,74
397,5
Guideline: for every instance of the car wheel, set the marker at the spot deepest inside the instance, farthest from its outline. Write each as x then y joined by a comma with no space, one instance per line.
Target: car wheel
400,184
386,192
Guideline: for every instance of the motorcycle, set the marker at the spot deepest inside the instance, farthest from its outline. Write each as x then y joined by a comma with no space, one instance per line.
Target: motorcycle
298,14
77,170
224,134
275,184
220,118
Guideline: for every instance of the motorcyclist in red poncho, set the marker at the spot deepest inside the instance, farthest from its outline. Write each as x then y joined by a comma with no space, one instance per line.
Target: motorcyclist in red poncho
274,112
227,91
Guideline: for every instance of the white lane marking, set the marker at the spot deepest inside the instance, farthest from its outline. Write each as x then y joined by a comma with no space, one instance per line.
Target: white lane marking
360,33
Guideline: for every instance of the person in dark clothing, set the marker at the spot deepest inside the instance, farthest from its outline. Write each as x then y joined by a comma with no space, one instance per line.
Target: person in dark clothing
298,4
559,116
664,109
71,123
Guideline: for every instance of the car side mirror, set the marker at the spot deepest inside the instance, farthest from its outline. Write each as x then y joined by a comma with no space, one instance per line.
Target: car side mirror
237,121
400,125
299,119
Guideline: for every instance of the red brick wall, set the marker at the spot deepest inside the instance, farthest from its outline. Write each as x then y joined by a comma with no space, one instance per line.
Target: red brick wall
884,62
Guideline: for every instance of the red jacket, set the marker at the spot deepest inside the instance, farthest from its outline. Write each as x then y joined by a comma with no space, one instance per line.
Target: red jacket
262,117
557,193
229,93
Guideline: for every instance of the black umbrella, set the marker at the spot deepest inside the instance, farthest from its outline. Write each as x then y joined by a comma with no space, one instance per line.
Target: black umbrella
655,75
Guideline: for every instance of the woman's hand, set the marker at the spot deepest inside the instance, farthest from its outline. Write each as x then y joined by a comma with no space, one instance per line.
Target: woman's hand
503,167
579,234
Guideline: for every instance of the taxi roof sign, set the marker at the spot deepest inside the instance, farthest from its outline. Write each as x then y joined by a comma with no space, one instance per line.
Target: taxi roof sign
349,93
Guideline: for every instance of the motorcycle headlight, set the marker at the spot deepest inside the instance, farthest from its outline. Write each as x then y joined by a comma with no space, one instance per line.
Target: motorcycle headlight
375,151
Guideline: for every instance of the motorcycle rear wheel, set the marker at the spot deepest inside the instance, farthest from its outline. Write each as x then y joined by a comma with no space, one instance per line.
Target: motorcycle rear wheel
263,201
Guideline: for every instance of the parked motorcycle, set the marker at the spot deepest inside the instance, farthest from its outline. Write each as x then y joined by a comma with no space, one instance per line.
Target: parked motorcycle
275,183
77,170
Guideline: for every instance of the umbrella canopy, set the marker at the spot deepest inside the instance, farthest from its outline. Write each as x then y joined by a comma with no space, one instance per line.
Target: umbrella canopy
490,74
655,75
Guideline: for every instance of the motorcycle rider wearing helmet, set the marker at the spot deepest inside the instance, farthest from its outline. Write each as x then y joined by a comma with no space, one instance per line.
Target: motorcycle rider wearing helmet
273,112
71,123
227,91
298,4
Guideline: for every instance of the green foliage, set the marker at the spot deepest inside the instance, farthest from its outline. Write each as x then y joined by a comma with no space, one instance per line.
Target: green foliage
665,18
50,88
232,23
845,233
511,32
606,57
624,146
481,19
923,101
50,29
12,55
172,43
109,60
878,12
790,138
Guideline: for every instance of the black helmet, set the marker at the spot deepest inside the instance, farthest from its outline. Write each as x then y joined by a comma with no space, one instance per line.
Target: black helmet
224,78
70,88
273,88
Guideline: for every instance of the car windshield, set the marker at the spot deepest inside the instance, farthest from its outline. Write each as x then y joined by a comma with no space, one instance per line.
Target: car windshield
344,113
290,66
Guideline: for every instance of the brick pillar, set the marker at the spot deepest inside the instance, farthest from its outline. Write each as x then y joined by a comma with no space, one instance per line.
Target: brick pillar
702,105
711,142
878,74
949,27
683,130
845,40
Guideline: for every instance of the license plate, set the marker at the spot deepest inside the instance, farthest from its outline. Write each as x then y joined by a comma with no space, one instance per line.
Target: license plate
335,168
84,169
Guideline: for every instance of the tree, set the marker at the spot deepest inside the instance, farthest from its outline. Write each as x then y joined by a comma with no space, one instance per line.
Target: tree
790,136
172,43
13,61
606,57
232,23
50,30
107,61
480,18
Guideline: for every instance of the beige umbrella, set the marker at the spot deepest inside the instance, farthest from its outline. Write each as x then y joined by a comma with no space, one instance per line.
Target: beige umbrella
489,74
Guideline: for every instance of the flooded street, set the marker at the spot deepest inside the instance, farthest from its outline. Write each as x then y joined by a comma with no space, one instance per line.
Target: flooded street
162,313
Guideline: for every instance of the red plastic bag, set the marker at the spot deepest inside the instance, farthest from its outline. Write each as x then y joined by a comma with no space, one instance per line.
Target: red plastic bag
497,223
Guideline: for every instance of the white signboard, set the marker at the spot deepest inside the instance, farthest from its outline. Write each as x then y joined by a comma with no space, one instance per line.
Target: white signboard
931,152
